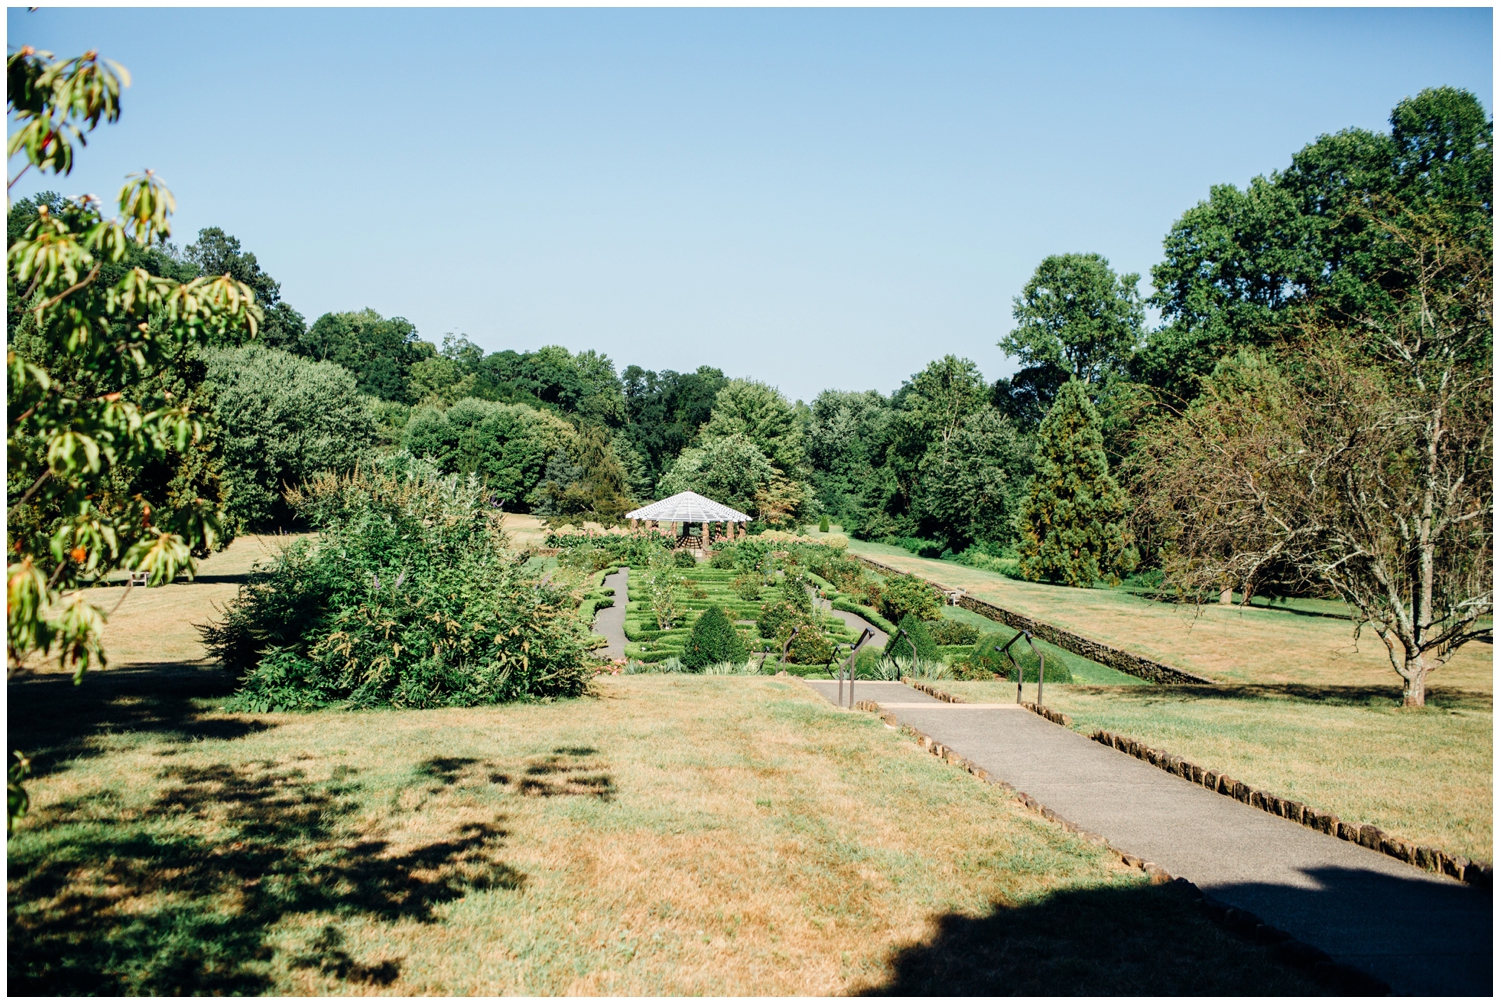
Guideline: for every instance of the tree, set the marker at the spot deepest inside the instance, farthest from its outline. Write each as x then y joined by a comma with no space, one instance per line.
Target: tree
899,646
1077,316
762,415
585,480
379,351
65,444
1072,519
283,419
1364,462
509,446
846,436
665,410
217,253
971,489
732,470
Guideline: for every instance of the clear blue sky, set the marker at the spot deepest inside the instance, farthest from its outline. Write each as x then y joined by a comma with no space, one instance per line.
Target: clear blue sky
818,198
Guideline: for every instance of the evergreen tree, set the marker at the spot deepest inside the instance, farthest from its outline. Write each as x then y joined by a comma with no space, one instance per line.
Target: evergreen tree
1072,519
713,640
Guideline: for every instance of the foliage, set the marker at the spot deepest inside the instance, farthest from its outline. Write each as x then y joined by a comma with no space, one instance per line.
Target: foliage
1077,317
777,618
660,579
823,523
903,596
762,415
218,253
664,412
81,422
407,599
593,487
714,640
508,446
746,587
732,470
951,632
986,662
745,667
283,419
811,645
379,351
1073,528
722,556
1366,466
912,631
684,559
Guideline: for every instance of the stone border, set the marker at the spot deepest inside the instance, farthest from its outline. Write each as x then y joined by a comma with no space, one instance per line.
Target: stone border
1056,717
1106,655
1365,834
1343,979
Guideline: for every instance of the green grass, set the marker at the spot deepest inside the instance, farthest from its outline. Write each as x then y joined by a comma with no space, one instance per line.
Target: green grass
667,836
1083,670
1422,774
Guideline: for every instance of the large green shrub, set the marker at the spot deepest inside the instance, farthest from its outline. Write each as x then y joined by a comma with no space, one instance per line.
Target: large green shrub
903,595
406,599
986,660
509,446
811,647
713,640
951,632
684,559
899,648
283,419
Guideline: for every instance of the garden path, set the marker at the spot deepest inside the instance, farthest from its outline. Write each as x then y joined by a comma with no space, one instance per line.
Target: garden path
1419,932
858,624
610,622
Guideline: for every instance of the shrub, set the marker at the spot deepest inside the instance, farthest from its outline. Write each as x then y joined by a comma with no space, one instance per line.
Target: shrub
823,525
723,557
684,559
774,615
746,587
283,419
794,588
950,632
659,580
903,595
714,639
871,664
811,647
407,600
986,660
898,647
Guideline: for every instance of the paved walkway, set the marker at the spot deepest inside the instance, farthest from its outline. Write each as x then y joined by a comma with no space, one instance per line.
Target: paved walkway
610,622
857,624
1421,933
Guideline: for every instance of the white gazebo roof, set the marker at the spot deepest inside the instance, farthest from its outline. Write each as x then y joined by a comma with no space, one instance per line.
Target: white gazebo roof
689,507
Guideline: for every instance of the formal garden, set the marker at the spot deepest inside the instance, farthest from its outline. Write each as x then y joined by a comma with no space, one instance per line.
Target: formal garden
343,662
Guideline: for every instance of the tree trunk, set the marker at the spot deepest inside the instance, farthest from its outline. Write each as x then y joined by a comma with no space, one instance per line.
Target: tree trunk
1226,596
1415,694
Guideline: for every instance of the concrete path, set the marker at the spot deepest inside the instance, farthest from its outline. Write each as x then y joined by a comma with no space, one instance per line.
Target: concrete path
610,622
857,624
1421,933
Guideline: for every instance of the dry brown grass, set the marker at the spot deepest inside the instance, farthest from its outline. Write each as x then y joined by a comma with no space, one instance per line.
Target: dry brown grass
1227,644
672,835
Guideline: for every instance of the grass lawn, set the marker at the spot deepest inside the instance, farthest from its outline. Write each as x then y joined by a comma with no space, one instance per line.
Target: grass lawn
668,835
1224,644
701,588
1422,774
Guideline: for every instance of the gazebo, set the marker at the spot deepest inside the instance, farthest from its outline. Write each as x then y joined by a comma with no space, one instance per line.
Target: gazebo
690,507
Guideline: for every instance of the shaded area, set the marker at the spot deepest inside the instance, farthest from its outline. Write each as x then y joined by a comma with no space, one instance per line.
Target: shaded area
1366,695
107,902
53,720
1137,940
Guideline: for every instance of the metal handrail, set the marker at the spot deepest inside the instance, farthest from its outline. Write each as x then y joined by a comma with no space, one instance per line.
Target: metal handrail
1041,658
848,664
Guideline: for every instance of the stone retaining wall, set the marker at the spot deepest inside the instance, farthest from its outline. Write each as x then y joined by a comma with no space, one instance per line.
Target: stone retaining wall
1105,655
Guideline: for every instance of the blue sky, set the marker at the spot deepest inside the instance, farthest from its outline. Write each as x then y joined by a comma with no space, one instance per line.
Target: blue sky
817,198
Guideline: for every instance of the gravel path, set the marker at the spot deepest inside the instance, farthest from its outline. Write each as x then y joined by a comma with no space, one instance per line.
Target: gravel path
1421,933
610,622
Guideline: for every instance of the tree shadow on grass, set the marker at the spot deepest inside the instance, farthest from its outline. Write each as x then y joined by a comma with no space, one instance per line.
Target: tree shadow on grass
54,721
112,904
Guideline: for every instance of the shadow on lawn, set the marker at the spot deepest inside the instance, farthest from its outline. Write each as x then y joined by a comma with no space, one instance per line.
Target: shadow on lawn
101,904
53,720
1425,936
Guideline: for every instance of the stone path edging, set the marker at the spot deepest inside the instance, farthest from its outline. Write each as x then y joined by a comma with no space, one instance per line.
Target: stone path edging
1365,834
1106,655
1317,963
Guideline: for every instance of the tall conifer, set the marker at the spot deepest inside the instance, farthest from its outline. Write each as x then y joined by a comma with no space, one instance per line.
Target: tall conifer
1073,517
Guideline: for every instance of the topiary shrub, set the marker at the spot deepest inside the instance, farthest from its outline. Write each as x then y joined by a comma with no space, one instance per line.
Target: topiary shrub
823,525
946,631
713,640
901,595
407,599
684,559
987,663
898,647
